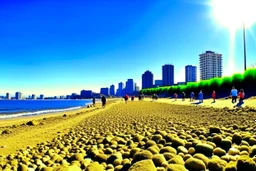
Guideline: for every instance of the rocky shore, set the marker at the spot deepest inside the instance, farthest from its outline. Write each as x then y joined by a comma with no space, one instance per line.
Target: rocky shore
148,136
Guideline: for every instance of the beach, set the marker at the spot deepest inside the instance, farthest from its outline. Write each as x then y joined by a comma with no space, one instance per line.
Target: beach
141,135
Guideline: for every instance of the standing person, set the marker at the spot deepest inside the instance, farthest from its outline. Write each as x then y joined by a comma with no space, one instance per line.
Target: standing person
192,96
241,96
132,98
175,96
93,101
201,96
126,97
214,96
103,101
183,96
233,94
139,97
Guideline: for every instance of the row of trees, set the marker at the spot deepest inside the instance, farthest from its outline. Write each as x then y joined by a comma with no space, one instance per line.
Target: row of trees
222,86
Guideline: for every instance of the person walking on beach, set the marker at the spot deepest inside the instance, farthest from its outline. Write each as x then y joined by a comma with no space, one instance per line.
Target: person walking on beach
132,98
201,96
103,101
241,96
126,97
175,96
233,94
214,96
192,96
93,101
183,96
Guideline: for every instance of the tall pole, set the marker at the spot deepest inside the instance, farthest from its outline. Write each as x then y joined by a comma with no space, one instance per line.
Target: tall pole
244,46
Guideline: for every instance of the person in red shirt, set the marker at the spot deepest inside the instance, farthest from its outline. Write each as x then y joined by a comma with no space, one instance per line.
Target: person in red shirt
241,96
175,96
213,96
126,97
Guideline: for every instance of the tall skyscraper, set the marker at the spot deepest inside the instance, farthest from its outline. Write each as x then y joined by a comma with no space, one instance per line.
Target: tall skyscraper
104,91
8,96
210,65
119,91
168,75
112,90
147,80
18,95
129,86
190,73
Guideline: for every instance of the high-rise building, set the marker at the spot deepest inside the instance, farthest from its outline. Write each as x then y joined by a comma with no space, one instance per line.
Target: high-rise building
210,65
8,96
158,83
18,95
41,96
112,90
33,96
104,91
129,87
168,75
86,94
119,91
190,73
147,80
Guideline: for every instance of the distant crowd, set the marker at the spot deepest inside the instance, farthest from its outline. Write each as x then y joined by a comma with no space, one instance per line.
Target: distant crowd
234,95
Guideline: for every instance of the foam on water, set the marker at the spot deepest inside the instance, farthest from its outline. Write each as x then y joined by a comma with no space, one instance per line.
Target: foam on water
37,112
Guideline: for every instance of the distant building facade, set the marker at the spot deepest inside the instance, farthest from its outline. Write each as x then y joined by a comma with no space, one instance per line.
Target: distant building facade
86,94
104,91
190,73
119,91
158,83
147,80
41,96
129,87
210,65
18,95
181,83
8,97
33,97
168,75
112,90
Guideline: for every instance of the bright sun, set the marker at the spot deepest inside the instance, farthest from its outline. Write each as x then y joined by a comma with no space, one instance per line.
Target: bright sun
233,13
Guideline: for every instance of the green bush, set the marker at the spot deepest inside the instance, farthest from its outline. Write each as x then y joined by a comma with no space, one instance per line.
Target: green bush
247,81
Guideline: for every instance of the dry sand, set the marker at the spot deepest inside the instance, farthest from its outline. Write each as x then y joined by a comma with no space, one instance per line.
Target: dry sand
140,135
47,127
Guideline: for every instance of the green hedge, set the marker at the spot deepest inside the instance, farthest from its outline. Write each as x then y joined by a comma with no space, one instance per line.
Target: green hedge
222,86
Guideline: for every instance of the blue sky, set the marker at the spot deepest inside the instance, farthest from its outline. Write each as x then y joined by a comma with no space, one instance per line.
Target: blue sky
57,47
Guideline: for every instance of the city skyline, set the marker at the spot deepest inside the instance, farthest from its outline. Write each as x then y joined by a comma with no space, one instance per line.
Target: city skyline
92,44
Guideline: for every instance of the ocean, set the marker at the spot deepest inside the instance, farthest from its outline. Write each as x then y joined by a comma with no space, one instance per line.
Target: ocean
17,108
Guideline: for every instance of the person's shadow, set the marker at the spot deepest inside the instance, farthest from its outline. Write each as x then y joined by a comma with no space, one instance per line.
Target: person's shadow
196,103
239,104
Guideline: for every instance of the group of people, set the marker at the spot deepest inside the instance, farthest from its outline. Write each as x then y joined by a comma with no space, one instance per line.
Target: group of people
233,94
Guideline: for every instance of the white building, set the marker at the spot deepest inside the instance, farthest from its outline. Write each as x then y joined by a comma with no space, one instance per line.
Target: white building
210,65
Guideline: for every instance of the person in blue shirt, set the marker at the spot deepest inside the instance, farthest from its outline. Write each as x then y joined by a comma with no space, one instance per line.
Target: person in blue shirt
201,96
234,94
192,96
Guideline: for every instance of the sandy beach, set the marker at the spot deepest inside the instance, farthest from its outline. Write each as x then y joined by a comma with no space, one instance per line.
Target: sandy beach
141,135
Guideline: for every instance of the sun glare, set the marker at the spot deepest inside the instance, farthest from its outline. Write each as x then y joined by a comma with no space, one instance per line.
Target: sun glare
233,13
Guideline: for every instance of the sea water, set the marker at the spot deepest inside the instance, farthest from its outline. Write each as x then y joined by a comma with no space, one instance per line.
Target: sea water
17,108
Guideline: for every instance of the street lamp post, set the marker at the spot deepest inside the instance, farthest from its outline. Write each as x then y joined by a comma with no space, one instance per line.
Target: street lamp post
244,46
